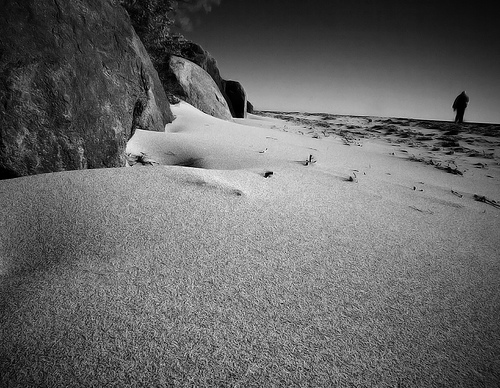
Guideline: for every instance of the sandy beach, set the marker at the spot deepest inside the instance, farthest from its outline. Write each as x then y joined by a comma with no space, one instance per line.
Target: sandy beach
285,249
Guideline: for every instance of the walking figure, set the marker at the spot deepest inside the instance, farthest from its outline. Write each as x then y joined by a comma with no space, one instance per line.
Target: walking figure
459,105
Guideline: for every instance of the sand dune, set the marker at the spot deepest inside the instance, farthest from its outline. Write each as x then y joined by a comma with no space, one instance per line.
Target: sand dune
361,267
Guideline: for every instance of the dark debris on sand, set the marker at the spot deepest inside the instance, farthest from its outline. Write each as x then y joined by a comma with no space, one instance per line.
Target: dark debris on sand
440,139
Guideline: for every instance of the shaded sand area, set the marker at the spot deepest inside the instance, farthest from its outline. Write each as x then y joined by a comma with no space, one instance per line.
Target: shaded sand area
247,255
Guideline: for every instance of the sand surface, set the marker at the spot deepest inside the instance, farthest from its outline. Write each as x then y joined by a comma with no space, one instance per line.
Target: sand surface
289,249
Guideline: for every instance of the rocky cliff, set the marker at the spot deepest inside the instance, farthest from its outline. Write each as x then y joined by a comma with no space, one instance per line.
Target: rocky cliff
75,82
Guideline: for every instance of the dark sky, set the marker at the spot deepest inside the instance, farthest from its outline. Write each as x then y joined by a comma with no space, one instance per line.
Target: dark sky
381,57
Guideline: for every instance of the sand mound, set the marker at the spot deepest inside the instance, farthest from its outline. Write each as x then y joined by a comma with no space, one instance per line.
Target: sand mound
168,275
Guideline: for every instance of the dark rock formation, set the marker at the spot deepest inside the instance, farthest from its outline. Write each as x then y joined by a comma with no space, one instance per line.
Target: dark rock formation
237,98
75,82
194,85
249,107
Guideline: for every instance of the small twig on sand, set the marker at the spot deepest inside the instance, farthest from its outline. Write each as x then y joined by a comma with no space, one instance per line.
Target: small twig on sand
482,198
420,210
450,170
352,178
310,160
142,158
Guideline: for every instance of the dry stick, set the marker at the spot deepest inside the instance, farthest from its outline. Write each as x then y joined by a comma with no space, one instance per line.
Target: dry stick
420,210
310,160
482,198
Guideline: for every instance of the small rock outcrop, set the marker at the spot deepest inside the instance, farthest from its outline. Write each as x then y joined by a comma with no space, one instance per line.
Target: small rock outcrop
194,85
237,98
75,82
249,107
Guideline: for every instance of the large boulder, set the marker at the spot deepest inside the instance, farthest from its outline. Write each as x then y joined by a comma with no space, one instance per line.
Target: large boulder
191,83
196,54
75,82
237,98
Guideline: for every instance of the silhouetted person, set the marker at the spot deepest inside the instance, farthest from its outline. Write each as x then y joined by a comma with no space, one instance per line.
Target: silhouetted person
459,105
